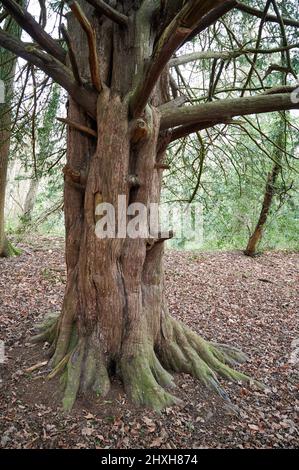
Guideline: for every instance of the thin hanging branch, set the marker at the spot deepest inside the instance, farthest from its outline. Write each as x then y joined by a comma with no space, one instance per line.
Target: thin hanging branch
43,13
33,122
72,55
92,45
28,24
258,41
104,9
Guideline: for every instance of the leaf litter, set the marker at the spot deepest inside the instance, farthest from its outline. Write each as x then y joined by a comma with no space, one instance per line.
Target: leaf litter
224,296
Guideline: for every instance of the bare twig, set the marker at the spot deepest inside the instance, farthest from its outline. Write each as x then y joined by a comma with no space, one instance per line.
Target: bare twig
79,127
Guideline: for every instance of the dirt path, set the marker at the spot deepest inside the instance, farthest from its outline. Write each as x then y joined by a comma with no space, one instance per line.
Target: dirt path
227,297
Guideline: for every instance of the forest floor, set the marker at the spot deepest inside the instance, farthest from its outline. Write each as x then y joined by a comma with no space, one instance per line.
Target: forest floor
225,296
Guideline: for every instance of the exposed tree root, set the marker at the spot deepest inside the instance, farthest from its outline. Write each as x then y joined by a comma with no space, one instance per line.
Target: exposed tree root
46,330
182,350
143,370
81,368
145,380
85,371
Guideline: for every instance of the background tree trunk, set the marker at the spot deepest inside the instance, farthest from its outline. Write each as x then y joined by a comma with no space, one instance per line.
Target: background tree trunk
7,73
257,234
31,198
26,217
4,153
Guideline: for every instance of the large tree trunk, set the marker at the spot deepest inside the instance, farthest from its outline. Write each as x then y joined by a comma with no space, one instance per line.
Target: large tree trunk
115,318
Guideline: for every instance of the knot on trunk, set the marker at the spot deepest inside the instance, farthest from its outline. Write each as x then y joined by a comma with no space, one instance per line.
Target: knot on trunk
139,130
76,178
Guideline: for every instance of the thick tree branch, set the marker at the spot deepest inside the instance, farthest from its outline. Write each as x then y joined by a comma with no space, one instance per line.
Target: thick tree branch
91,38
72,55
203,55
52,67
269,18
226,109
226,55
280,89
103,8
75,178
175,34
28,24
176,103
286,55
253,67
162,166
161,237
213,16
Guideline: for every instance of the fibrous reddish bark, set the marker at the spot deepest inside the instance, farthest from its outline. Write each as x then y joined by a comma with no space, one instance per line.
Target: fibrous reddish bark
115,317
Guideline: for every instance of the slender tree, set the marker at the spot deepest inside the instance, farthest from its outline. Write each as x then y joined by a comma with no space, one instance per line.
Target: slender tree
270,190
279,150
121,117
47,145
7,71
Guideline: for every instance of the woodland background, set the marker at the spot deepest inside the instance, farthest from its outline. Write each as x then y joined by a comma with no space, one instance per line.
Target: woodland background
224,168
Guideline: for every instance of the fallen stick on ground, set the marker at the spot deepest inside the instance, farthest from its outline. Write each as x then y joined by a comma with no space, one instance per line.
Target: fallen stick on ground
36,366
